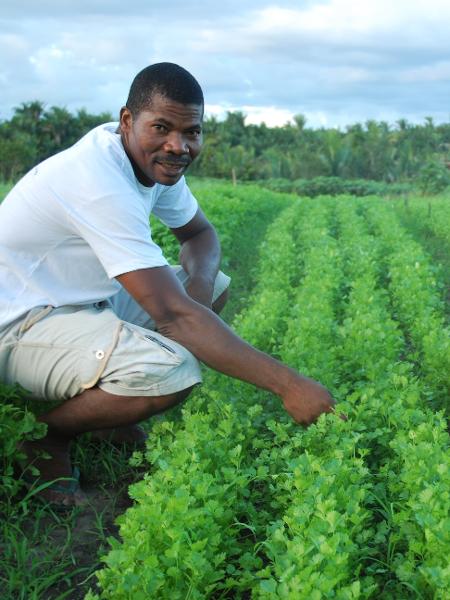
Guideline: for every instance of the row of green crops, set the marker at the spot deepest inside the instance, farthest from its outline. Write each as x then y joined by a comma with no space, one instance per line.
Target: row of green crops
241,502
417,301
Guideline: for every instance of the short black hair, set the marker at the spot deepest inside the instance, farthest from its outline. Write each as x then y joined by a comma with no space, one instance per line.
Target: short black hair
169,80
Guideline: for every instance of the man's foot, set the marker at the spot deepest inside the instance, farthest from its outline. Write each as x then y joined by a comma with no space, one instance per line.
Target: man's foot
63,494
126,434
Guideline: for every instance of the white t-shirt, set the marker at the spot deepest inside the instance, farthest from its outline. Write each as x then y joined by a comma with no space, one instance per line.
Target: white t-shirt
76,221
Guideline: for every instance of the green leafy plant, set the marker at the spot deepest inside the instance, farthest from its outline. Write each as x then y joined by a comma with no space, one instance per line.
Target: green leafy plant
16,425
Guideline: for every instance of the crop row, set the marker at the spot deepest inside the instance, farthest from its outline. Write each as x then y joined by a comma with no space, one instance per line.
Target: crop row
417,301
313,550
390,405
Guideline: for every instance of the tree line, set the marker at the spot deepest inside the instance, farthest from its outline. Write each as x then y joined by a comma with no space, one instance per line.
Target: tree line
374,150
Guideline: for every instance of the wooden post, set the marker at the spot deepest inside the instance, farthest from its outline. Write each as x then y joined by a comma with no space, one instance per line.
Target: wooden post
233,176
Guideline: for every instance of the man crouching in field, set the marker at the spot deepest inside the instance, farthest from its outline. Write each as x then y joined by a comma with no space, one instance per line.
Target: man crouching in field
91,314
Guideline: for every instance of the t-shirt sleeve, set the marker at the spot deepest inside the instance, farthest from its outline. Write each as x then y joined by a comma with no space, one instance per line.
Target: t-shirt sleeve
118,231
116,227
175,205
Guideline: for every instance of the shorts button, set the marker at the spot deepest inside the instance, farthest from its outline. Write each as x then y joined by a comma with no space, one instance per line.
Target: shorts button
99,354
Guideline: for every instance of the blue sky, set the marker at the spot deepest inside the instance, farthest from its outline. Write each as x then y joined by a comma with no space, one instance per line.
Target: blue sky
335,61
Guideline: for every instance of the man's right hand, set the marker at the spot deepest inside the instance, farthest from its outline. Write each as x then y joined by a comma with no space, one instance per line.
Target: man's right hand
305,399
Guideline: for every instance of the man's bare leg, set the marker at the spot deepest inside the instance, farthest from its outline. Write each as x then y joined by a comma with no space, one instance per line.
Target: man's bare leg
92,410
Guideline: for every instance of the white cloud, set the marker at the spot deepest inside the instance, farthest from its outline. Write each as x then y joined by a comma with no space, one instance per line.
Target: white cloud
332,60
353,21
270,115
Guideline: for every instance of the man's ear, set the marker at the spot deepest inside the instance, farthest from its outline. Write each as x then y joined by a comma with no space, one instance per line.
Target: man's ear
126,119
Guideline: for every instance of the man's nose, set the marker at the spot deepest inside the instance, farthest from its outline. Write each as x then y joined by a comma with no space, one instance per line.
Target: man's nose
177,143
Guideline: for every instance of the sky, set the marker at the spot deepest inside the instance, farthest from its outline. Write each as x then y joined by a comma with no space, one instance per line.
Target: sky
337,62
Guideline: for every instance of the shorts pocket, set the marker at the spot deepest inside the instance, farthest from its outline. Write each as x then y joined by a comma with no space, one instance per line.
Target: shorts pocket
141,360
161,344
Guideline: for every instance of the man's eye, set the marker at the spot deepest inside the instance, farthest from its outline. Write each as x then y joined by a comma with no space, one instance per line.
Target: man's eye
160,128
195,133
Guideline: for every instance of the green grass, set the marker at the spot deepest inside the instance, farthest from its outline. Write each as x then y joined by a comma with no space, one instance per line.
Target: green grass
46,554
38,555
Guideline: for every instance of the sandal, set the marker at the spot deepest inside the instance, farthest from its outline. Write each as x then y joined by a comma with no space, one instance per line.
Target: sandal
71,489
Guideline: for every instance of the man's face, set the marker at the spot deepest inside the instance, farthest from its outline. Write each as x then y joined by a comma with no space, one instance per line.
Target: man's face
163,140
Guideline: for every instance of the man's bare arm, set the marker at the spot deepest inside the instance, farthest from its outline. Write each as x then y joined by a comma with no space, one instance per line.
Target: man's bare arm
199,256
179,317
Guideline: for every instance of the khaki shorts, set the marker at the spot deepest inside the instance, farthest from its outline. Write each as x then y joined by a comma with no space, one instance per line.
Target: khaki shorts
57,353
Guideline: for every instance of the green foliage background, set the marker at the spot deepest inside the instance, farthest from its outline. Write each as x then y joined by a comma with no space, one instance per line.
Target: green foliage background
375,151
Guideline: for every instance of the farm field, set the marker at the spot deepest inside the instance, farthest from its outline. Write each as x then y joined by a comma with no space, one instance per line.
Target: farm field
241,502
231,499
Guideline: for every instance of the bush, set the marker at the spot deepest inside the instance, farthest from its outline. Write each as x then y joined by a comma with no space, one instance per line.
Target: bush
434,178
335,186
